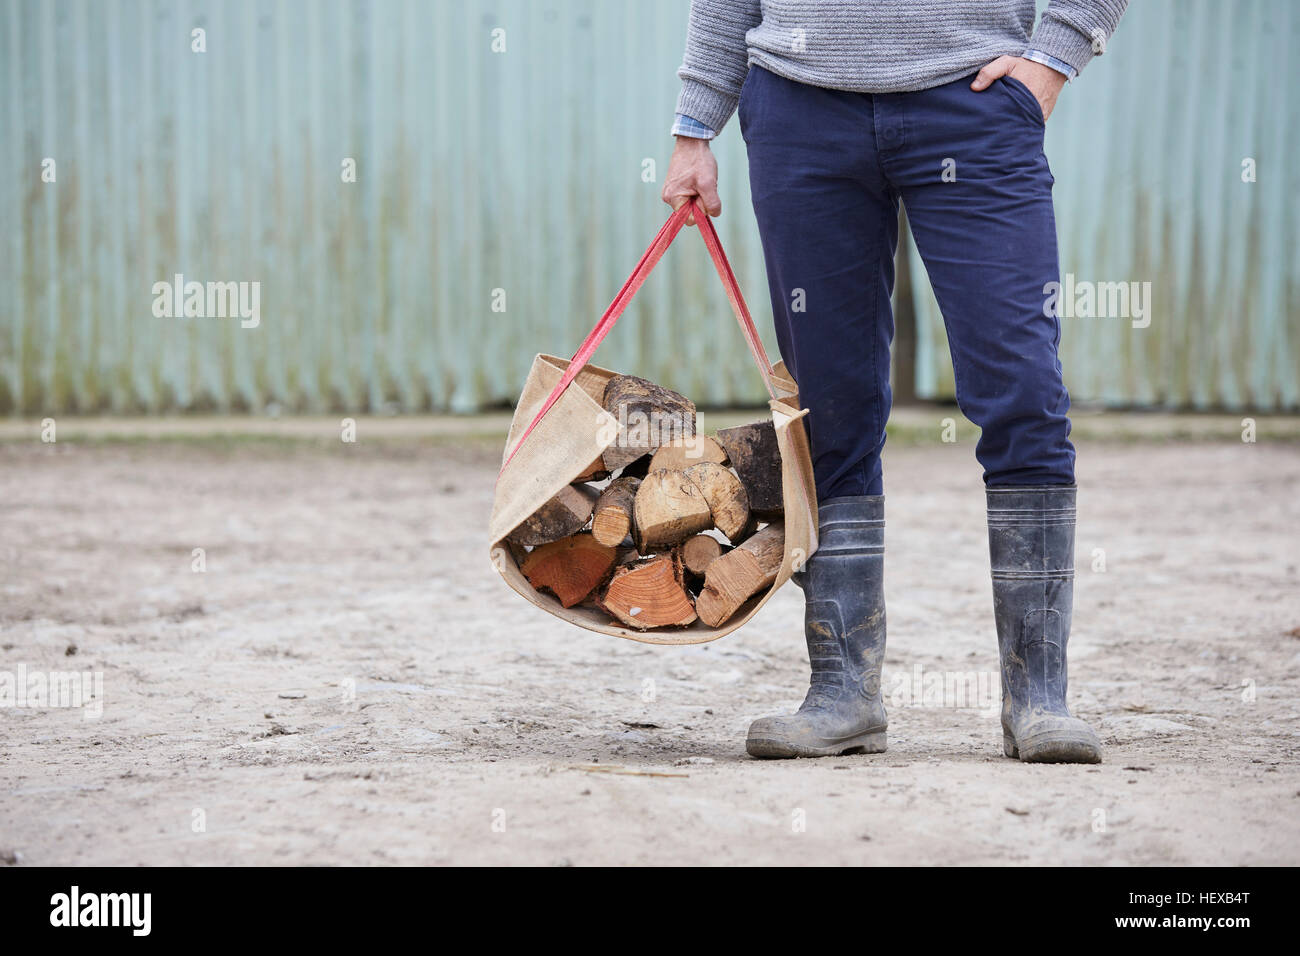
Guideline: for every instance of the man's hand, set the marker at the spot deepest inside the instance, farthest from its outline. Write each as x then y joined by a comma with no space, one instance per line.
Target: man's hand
692,172
1044,82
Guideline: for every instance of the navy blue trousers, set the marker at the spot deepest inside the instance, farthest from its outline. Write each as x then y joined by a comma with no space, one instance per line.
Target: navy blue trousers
827,171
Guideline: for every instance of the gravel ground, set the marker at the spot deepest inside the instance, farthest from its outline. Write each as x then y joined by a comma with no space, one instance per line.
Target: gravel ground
348,682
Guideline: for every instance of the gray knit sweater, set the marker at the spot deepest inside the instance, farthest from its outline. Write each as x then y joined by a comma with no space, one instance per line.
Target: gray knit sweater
873,46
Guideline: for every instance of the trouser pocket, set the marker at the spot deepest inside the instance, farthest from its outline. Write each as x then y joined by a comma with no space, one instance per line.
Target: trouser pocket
1024,98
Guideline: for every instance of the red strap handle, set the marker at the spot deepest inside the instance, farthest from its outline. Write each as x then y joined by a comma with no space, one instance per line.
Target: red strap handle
667,233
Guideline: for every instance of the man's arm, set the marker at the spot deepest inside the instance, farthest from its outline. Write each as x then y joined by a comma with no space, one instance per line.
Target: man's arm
717,59
712,73
1074,31
1070,33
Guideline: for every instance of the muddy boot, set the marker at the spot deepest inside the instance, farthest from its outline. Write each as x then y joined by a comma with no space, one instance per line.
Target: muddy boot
1031,546
844,624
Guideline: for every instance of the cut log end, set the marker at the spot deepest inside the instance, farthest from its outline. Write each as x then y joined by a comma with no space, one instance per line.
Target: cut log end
649,593
615,508
726,497
669,509
699,552
571,568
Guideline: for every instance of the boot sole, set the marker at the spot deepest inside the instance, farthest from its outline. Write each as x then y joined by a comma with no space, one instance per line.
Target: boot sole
1048,748
771,748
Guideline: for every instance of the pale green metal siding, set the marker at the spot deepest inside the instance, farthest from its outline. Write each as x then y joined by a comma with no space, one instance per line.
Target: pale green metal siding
524,171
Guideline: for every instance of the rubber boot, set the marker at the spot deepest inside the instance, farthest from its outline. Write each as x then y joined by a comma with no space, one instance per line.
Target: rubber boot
844,624
1031,548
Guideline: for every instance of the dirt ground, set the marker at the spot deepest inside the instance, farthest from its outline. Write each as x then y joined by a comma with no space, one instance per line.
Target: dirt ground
348,682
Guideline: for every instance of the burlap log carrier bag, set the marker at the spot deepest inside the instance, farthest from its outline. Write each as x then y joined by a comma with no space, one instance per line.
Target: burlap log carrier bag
560,427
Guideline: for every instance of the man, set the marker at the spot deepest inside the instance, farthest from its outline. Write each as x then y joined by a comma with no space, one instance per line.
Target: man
848,108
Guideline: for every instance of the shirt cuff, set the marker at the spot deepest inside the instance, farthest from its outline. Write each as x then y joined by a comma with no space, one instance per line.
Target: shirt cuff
710,107
1066,42
1060,66
689,126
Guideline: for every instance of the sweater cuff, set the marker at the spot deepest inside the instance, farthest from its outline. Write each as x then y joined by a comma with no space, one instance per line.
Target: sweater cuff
1057,38
705,104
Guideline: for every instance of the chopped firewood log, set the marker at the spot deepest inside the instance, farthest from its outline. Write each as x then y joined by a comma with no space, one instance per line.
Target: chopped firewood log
560,517
623,554
649,593
596,471
699,552
648,416
726,497
570,568
739,574
684,452
612,521
669,509
753,452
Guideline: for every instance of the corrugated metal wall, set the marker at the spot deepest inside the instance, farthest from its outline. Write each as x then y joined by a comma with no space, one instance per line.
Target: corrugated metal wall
523,177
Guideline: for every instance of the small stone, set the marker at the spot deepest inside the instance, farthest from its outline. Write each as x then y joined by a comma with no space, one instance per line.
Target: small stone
693,761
